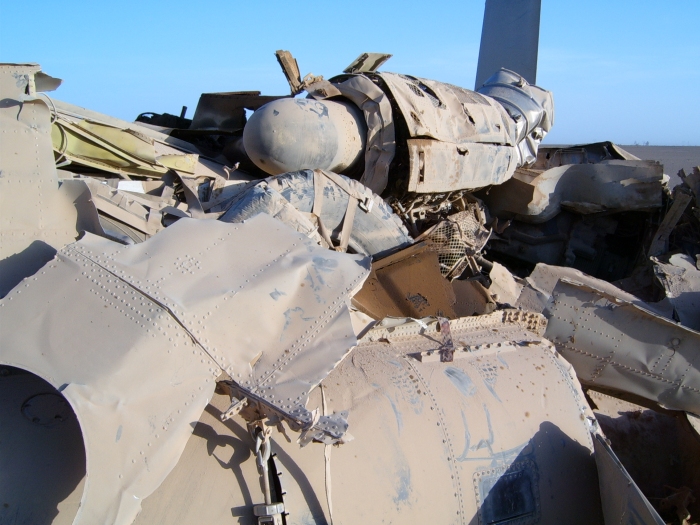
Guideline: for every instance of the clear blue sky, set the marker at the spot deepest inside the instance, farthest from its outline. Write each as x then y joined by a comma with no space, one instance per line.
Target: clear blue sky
626,71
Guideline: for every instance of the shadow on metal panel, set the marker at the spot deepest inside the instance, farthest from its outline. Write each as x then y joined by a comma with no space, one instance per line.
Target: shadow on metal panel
42,455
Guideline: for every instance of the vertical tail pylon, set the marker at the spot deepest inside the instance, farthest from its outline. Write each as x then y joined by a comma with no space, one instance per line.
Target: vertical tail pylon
509,38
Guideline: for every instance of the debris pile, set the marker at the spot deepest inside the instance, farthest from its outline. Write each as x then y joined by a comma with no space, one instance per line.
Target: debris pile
391,260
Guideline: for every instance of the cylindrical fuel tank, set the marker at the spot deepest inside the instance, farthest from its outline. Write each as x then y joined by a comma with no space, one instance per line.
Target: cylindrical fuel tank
297,133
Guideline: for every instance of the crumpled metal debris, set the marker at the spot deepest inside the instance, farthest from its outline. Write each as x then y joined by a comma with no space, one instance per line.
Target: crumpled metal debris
337,211
37,218
412,407
619,494
608,186
408,283
622,346
161,323
263,310
680,278
530,107
458,237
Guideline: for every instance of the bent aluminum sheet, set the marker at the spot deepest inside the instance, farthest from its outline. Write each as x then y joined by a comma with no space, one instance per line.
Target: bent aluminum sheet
452,442
449,113
436,166
544,278
616,344
609,185
620,496
680,278
134,337
381,145
36,217
502,428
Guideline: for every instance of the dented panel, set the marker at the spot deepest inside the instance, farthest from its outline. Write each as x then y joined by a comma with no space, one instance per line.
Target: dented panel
36,219
448,113
610,185
618,345
622,500
160,323
441,166
457,433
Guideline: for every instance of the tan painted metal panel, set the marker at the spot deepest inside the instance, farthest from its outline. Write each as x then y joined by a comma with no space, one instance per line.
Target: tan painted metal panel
614,343
134,337
35,220
432,438
448,113
442,166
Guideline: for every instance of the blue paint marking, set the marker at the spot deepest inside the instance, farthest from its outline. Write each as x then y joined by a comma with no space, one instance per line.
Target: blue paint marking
276,294
403,483
325,265
397,414
493,392
467,439
486,443
460,380
489,382
119,434
288,318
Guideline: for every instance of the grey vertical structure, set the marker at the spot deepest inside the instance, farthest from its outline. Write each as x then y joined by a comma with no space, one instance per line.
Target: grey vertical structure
509,38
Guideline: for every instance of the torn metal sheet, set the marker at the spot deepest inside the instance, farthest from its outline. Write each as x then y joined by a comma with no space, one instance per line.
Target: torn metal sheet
659,450
44,82
692,181
659,244
367,63
472,298
531,109
610,185
619,345
544,278
621,498
139,213
448,113
77,113
380,144
348,214
504,288
434,441
554,156
680,279
164,323
407,284
100,142
262,198
225,112
440,166
36,219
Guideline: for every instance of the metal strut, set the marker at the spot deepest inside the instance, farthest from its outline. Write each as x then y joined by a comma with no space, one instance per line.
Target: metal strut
270,513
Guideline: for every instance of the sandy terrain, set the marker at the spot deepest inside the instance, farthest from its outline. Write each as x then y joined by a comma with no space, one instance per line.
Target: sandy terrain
672,157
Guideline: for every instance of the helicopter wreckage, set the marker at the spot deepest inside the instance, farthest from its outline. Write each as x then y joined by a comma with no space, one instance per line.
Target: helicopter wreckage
383,302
